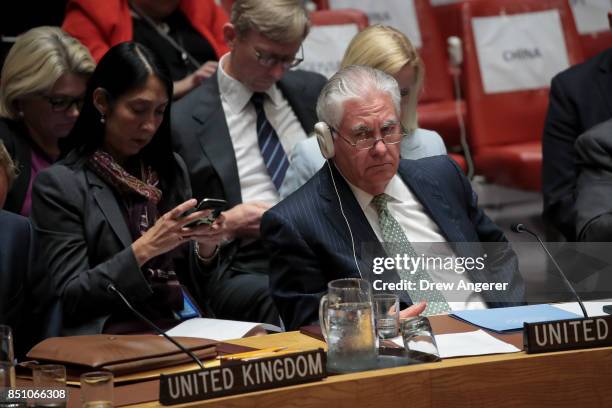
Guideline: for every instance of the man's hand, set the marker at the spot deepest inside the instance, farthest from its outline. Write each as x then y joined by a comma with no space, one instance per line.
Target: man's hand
185,85
412,311
208,237
242,221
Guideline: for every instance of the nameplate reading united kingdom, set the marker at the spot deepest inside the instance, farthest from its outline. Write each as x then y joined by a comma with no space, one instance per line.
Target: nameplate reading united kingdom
237,377
568,334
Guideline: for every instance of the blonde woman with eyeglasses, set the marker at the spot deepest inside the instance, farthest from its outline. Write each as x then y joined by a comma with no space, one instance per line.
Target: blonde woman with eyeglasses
42,86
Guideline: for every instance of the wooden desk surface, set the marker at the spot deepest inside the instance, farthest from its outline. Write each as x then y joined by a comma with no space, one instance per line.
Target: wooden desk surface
578,378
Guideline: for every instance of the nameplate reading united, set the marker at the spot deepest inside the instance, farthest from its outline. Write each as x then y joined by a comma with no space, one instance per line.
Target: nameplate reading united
568,334
237,377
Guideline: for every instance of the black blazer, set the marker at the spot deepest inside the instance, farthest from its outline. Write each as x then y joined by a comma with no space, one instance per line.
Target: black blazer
594,185
201,136
86,244
580,98
16,140
309,243
26,294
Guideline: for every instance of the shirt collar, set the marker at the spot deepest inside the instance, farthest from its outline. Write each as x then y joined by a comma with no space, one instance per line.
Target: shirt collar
395,189
236,94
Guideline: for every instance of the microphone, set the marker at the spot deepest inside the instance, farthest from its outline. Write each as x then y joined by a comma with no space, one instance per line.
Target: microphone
455,52
112,289
519,229
455,58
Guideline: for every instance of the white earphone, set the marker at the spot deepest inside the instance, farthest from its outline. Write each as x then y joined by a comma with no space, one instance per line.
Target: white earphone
325,139
326,143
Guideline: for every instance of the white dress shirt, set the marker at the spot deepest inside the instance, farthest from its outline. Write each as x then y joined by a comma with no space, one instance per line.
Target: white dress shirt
255,182
419,228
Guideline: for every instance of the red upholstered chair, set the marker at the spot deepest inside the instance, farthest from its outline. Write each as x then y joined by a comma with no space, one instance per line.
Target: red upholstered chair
594,43
506,127
448,17
340,16
437,108
591,20
227,6
330,33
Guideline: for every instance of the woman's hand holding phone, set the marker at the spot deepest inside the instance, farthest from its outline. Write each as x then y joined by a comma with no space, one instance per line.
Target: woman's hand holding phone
170,231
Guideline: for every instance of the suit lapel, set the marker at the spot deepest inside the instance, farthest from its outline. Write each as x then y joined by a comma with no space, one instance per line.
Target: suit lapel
427,191
214,138
293,90
363,234
604,79
106,200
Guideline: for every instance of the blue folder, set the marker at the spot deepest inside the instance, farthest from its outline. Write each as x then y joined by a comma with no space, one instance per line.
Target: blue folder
505,319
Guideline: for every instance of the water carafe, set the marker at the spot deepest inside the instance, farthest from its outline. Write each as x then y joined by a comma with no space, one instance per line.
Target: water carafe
347,323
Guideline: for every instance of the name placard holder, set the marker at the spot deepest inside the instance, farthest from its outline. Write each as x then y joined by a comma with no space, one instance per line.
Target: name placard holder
568,334
237,377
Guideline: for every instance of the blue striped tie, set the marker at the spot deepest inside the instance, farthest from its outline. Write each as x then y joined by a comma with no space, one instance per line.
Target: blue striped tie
271,149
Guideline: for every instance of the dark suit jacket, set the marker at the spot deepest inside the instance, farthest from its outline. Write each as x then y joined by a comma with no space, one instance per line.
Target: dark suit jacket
309,241
201,137
16,141
580,98
594,186
86,244
25,289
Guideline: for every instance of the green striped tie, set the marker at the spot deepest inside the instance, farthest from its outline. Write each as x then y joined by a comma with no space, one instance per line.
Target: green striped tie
393,234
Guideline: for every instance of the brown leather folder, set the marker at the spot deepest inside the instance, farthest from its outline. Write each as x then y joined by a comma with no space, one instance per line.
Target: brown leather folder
119,354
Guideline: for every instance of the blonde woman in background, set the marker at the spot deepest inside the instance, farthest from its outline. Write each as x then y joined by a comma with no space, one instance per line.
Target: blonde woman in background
42,86
386,49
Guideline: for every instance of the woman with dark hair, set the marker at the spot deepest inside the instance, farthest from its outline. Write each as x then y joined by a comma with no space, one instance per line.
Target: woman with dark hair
113,210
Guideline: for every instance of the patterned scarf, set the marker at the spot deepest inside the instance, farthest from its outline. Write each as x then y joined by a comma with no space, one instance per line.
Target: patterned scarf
141,198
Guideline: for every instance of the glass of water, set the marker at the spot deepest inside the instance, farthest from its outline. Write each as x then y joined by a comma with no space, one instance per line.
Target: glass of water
386,315
347,323
97,389
52,378
418,336
7,358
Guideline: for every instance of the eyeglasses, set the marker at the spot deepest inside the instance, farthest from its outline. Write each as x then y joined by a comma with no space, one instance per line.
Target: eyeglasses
390,136
269,60
63,103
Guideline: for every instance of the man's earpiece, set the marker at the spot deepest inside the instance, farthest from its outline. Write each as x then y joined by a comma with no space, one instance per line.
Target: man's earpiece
325,139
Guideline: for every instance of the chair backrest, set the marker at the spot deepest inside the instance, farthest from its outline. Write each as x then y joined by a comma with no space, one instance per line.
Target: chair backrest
501,115
592,24
416,19
329,36
227,6
448,16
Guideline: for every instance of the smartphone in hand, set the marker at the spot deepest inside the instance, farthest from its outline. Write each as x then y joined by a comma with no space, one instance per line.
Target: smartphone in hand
215,204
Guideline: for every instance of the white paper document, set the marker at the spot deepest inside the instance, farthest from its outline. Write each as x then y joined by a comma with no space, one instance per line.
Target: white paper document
474,343
215,329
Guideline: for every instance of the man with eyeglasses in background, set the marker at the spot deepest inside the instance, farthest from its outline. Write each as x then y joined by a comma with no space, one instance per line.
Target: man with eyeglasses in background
235,133
367,202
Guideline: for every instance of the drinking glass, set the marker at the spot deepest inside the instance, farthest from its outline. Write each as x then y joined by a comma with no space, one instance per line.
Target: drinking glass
97,389
50,377
418,336
7,358
386,315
